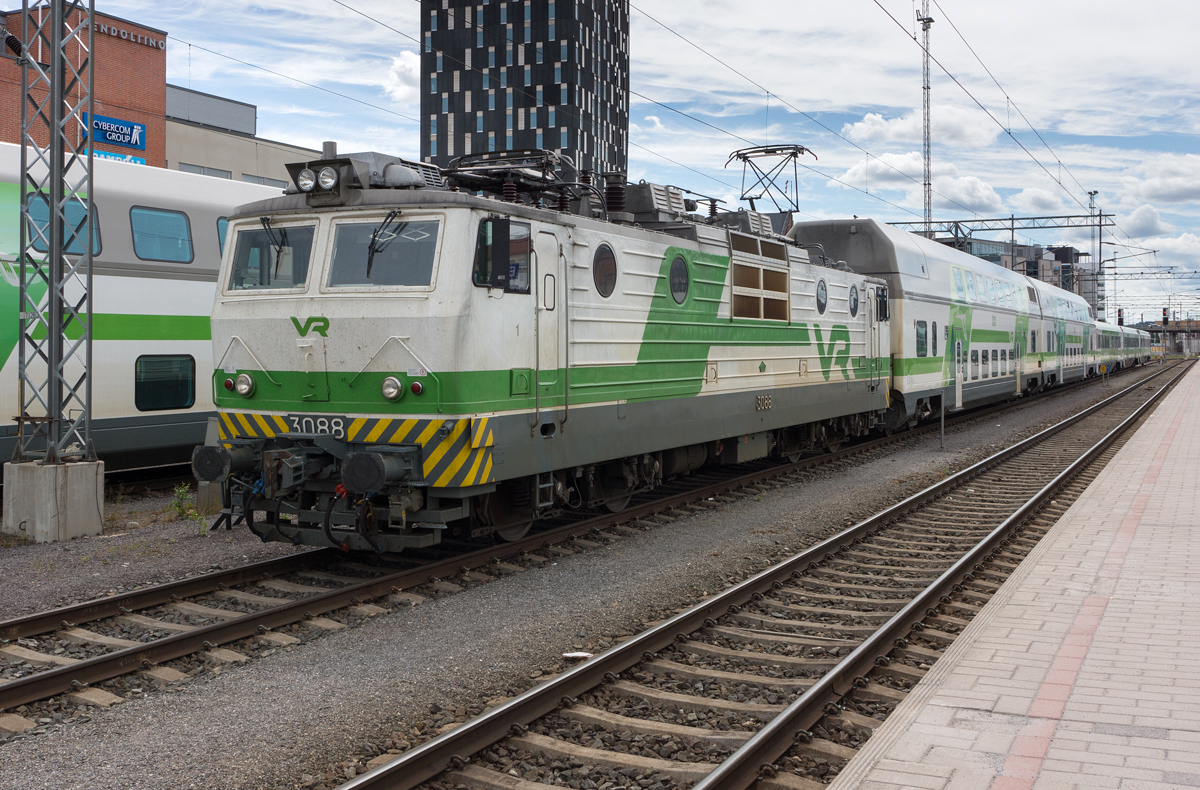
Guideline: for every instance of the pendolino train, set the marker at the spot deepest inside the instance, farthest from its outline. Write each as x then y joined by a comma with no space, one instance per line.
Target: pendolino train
402,351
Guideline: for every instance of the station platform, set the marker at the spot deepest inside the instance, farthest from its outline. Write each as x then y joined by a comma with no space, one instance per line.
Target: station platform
1084,668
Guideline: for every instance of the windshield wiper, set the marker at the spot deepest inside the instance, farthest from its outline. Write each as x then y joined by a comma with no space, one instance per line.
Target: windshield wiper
277,243
381,237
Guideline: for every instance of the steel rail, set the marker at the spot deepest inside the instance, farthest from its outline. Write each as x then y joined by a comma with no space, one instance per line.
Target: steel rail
104,667
445,752
742,768
110,606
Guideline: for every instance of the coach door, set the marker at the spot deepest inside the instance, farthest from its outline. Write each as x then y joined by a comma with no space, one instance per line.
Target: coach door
960,367
873,340
1016,364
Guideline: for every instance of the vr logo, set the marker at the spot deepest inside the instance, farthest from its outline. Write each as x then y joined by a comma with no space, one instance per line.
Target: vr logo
316,323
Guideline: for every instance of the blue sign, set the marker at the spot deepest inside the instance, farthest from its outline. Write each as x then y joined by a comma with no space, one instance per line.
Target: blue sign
114,131
135,160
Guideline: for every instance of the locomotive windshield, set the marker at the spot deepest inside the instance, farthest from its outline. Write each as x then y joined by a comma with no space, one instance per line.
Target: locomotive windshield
383,253
271,257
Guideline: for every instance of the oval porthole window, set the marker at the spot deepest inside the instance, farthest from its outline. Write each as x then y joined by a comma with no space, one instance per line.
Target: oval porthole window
604,270
853,302
679,279
822,297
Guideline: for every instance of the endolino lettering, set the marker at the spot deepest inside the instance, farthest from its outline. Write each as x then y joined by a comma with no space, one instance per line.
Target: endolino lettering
103,28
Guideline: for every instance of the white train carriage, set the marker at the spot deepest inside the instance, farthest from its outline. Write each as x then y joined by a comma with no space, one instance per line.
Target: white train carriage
964,330
158,239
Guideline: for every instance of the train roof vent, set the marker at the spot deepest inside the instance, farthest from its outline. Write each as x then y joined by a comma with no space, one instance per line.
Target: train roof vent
746,222
655,202
384,171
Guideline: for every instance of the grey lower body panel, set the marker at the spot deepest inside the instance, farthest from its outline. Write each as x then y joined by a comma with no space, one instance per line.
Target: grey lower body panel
137,442
595,434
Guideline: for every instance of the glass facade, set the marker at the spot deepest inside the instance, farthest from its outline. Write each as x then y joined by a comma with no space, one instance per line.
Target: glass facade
571,56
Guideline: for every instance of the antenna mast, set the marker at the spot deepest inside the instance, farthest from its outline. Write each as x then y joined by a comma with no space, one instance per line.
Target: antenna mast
926,21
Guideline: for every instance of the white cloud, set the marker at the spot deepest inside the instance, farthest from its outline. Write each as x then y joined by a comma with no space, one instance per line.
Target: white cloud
404,78
1171,178
1035,200
1144,222
967,192
948,125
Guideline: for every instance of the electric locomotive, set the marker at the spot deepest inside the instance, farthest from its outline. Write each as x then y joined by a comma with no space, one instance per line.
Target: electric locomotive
403,352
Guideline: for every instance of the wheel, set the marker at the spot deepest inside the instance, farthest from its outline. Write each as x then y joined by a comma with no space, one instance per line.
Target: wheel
509,523
833,447
514,532
794,458
617,504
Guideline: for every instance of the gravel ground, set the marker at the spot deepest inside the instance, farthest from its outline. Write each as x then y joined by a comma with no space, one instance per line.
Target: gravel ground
144,542
311,715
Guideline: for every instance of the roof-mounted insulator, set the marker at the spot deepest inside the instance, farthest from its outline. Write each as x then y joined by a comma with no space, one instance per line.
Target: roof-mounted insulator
564,201
510,191
614,192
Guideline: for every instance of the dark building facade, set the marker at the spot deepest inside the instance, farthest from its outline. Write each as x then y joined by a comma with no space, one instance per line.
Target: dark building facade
504,75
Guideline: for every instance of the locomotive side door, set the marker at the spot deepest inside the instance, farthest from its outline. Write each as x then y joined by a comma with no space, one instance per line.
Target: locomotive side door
873,318
550,287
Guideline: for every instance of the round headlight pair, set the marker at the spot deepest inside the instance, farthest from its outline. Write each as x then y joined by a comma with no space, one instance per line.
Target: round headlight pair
327,179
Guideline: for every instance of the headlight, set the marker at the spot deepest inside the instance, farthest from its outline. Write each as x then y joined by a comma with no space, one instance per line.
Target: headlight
328,178
392,389
244,385
306,179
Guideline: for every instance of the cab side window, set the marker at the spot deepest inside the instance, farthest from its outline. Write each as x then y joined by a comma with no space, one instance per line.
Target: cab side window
502,255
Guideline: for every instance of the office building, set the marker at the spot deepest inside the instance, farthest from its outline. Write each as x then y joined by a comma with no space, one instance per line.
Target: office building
518,74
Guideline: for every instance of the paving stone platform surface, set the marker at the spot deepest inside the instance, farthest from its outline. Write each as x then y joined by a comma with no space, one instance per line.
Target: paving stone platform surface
1083,671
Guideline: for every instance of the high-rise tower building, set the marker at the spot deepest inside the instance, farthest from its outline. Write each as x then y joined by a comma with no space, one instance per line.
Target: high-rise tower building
513,74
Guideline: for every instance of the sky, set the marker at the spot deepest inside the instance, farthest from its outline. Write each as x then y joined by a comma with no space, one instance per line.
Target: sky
1112,90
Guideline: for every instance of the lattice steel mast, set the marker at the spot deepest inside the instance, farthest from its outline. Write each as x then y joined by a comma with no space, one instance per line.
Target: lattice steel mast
56,233
926,21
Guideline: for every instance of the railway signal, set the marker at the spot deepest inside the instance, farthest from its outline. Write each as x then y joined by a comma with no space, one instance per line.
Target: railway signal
1166,316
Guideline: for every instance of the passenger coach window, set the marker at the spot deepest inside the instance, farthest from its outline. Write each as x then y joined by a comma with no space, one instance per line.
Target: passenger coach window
985,363
922,339
271,257
39,216
388,252
161,235
502,253
958,284
995,363
975,364
970,287
164,382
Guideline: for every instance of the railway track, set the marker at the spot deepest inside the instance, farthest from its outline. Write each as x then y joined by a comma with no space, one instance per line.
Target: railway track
777,679
260,607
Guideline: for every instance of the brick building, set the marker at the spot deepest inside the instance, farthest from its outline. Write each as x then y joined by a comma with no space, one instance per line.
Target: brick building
142,119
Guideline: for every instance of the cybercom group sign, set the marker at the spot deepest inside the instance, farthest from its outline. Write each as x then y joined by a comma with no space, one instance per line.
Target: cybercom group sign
114,131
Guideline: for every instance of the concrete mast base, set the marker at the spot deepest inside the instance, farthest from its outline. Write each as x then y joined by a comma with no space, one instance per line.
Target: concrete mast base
55,501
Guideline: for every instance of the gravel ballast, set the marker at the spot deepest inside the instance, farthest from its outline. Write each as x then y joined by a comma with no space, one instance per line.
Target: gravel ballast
313,714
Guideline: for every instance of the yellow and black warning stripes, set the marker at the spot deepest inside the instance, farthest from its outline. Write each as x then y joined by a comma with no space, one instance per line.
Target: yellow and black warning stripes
455,452
453,455
236,425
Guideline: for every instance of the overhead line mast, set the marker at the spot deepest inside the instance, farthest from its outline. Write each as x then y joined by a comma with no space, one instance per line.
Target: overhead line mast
926,22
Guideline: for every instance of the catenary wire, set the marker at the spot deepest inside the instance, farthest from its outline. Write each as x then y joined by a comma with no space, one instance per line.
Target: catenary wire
294,79
526,93
796,109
